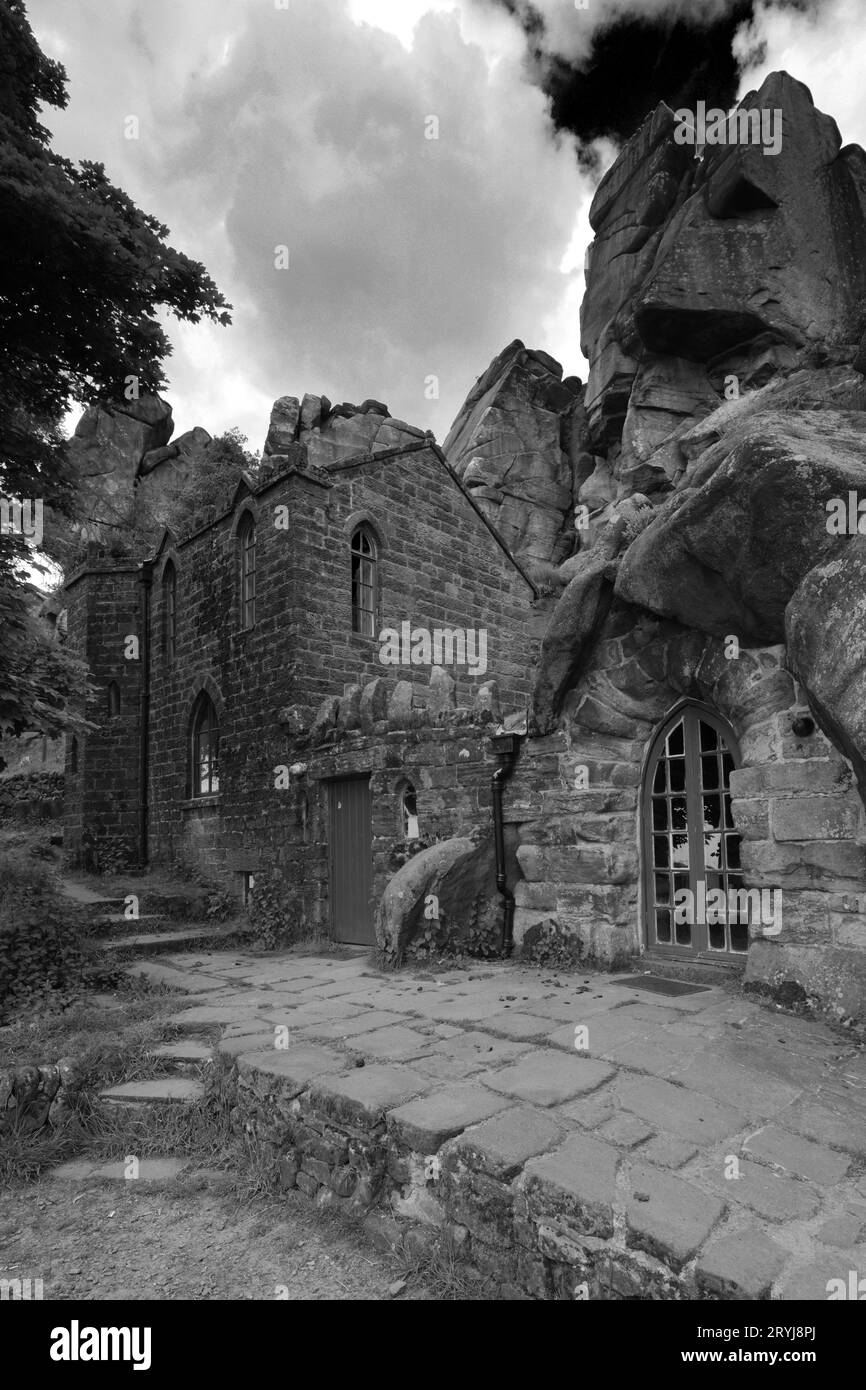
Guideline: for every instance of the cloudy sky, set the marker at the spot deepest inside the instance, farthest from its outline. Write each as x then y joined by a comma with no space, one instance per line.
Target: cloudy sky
305,123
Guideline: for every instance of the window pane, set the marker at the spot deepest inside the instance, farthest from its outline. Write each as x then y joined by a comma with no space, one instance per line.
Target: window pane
675,740
677,774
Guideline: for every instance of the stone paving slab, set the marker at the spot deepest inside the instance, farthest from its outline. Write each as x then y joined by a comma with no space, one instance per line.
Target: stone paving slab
545,1078
828,1124
575,1184
800,1156
667,1216
364,1097
741,1265
295,1066
688,1114
764,1191
502,1145
395,1044
425,1124
191,982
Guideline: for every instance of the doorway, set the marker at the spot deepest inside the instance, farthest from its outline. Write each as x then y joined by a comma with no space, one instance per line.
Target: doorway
691,849
350,861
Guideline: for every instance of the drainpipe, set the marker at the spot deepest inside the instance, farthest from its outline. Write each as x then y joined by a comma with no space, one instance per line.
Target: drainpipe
508,746
145,579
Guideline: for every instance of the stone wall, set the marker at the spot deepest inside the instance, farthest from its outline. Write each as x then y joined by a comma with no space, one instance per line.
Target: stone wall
101,817
794,803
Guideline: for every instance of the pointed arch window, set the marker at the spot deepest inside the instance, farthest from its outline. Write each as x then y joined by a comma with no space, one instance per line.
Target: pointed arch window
247,548
169,613
73,756
204,748
365,557
691,848
113,699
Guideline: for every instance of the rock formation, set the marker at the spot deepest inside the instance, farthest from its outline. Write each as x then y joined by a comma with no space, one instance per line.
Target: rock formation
725,304
520,444
723,560
332,433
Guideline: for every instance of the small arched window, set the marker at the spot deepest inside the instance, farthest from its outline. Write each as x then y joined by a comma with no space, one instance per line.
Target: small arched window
409,812
169,612
247,547
113,699
73,755
364,560
204,748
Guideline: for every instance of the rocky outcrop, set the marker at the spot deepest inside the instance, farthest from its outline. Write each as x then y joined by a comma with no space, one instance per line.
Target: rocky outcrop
519,443
331,434
106,451
723,392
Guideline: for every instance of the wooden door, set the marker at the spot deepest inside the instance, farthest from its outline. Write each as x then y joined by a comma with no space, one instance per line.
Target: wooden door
350,858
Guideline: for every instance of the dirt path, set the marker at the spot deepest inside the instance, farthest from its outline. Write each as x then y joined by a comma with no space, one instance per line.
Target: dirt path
107,1241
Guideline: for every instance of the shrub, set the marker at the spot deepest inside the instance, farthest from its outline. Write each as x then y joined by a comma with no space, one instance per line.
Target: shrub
40,956
275,923
550,947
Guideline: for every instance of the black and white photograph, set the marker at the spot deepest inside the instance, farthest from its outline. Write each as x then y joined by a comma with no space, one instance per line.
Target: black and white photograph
432,670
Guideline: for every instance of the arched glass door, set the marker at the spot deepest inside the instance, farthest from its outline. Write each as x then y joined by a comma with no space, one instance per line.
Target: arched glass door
690,847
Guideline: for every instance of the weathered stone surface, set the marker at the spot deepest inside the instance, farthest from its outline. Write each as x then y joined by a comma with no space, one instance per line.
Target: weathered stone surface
502,1145
283,425
666,1216
457,872
516,443
364,1097
574,1187
425,1124
798,1155
742,1265
544,1077
106,449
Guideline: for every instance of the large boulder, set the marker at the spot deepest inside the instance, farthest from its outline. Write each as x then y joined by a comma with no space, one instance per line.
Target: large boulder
456,876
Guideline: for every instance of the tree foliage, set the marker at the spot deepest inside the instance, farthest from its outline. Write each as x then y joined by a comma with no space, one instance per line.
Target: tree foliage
83,275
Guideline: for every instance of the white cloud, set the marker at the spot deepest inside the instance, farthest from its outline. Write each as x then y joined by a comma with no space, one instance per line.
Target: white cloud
826,50
408,257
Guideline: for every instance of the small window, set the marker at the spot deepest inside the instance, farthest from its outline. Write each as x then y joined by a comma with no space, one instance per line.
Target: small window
73,756
247,544
364,558
205,748
113,699
169,612
248,883
409,812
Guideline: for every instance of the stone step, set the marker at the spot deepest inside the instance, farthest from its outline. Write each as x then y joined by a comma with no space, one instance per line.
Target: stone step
156,1090
152,943
151,1171
183,1052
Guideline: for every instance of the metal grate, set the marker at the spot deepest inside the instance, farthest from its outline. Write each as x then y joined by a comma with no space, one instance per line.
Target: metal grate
653,985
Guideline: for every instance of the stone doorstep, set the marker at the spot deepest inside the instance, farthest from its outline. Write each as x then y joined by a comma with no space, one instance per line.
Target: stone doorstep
179,1090
152,942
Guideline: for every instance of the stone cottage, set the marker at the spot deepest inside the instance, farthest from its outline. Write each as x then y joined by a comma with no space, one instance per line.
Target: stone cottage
669,566
303,689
